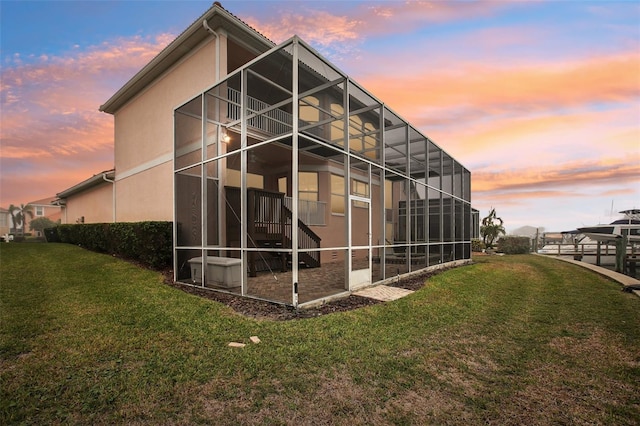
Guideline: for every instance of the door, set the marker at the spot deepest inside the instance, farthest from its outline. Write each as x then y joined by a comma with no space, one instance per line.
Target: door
360,247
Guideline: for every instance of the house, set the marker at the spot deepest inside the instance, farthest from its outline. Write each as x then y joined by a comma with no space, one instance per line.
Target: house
44,208
5,222
90,201
15,224
285,179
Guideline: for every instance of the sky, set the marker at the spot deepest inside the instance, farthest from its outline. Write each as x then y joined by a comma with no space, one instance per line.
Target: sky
540,100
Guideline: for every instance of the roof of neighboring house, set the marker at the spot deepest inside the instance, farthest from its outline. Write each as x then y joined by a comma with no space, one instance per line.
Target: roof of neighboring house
216,17
43,202
94,180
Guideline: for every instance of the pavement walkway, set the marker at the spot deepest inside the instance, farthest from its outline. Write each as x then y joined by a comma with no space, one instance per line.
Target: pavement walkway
383,292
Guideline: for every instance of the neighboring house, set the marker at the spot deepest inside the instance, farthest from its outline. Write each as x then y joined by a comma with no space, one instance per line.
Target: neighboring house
90,201
5,222
294,182
44,208
39,208
475,223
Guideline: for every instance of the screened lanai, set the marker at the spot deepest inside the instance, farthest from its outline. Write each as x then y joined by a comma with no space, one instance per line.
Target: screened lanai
293,184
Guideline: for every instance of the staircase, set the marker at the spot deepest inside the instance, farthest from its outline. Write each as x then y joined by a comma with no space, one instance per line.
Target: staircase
269,225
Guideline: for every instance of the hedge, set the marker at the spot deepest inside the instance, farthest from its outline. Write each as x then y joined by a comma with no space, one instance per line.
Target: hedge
514,245
477,245
150,243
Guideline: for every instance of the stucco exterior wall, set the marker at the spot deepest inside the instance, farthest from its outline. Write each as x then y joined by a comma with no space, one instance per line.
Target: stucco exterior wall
147,195
144,137
94,204
5,222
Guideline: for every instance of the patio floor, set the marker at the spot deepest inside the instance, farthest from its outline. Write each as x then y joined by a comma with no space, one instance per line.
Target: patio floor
313,283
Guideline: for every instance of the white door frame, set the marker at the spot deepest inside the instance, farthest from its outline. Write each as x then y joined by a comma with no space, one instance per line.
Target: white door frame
360,277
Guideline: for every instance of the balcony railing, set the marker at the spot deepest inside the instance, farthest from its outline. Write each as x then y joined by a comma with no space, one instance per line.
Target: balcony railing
310,212
270,120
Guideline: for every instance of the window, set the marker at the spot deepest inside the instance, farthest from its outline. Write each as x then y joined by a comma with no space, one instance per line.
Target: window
337,126
282,185
39,211
308,186
337,194
370,141
355,134
309,111
363,137
360,189
253,180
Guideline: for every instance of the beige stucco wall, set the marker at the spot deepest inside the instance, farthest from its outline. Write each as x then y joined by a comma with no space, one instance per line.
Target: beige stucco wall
95,204
5,221
146,196
144,136
333,233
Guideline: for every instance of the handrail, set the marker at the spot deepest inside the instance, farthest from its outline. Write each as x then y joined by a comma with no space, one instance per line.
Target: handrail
268,218
310,212
307,239
263,116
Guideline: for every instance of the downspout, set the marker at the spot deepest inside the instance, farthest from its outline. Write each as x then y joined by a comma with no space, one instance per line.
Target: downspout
113,192
205,24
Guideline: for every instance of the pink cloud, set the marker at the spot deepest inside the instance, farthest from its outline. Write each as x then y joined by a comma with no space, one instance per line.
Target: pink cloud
319,27
342,30
495,88
406,16
574,175
533,116
542,137
52,134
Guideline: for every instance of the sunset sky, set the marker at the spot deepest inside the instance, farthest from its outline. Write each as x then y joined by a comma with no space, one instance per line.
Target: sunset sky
539,100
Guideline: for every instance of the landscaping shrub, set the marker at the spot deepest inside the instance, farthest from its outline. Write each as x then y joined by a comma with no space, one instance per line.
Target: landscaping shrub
150,243
51,234
477,245
514,245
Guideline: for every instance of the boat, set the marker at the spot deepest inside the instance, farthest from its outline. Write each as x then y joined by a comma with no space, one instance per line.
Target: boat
629,227
570,243
585,240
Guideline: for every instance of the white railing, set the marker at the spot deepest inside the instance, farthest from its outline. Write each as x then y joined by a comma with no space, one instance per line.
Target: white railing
274,121
309,212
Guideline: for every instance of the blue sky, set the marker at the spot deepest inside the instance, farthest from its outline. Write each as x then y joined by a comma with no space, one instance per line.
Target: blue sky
539,99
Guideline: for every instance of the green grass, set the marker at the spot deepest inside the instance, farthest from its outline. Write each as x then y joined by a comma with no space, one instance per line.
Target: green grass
89,339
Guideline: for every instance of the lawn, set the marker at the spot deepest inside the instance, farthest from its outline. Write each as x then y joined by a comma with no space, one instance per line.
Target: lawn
86,338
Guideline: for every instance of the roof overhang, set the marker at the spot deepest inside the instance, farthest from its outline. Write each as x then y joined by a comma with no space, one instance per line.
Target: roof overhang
94,180
217,18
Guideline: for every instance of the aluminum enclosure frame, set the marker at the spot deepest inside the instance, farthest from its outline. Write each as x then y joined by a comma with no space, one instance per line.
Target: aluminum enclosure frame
241,146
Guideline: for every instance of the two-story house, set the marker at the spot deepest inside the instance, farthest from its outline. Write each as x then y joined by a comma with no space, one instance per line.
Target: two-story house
285,179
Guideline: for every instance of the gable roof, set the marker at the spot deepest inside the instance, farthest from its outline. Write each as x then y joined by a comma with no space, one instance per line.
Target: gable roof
43,202
216,17
87,183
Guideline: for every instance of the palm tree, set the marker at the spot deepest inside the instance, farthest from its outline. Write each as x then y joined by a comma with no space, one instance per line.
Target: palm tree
21,216
14,224
490,230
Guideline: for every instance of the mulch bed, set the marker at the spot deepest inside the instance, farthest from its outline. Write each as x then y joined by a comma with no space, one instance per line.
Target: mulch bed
260,309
